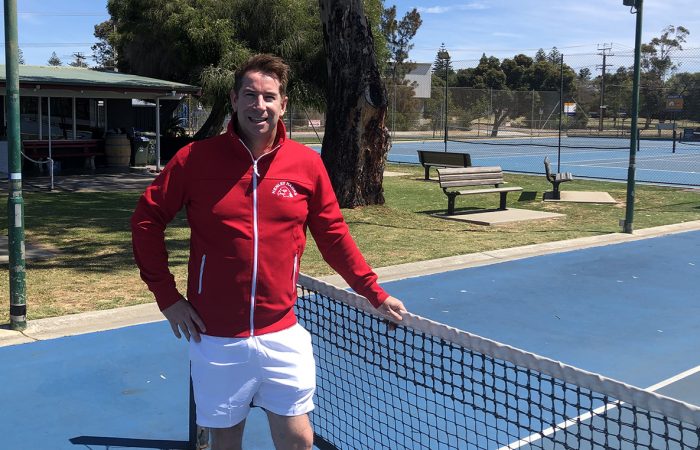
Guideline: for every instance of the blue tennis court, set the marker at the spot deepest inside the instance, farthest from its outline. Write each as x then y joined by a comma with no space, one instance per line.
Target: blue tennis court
656,161
628,311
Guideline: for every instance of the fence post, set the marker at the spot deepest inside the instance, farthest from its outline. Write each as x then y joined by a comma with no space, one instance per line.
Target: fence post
447,114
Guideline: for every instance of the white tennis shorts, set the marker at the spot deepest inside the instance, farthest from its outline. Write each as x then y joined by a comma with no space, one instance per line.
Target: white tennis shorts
275,371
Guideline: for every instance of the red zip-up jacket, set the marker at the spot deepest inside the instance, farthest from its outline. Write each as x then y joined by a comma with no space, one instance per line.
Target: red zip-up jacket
248,221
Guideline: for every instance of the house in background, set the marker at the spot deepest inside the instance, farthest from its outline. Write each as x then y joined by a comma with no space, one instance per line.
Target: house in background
63,107
421,76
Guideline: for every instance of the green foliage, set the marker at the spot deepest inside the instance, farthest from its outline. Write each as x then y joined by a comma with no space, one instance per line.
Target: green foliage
374,10
657,65
103,50
510,78
398,35
687,85
202,42
442,67
54,60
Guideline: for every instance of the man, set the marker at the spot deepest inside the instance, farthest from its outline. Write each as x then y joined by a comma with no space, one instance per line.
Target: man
250,195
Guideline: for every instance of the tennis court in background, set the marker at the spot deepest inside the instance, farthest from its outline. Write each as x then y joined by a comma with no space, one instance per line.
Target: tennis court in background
628,311
588,157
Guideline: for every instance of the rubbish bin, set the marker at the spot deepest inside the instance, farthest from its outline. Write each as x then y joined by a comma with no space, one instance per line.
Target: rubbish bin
141,150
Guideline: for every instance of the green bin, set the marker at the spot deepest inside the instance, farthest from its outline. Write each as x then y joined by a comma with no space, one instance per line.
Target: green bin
141,151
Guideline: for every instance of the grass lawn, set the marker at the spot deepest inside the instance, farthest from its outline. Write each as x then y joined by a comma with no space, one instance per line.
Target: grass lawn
94,269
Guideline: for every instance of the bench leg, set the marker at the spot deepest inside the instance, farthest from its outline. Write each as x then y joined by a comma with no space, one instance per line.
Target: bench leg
427,172
503,200
556,195
451,204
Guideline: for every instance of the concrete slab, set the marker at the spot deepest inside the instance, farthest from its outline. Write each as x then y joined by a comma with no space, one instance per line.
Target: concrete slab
498,217
581,197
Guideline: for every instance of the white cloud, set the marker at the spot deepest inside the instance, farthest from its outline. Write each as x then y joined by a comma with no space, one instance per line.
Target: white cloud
445,9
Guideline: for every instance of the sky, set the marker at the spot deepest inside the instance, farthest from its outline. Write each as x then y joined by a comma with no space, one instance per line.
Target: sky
501,28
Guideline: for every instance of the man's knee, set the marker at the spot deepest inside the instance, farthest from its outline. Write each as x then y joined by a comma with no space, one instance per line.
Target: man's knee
228,438
291,433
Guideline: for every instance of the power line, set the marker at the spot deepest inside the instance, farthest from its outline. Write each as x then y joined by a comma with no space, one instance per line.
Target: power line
51,44
63,14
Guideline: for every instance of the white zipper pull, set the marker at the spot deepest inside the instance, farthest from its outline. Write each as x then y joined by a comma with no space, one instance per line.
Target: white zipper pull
255,167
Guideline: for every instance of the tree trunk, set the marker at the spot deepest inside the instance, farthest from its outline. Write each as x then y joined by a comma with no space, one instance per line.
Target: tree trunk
499,116
356,140
214,123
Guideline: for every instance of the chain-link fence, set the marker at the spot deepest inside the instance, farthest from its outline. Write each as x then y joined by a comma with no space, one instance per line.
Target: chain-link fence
585,128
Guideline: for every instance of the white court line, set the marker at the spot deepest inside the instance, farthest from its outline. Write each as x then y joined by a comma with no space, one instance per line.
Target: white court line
602,409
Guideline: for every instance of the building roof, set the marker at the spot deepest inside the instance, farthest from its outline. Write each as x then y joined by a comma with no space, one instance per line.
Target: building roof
58,81
420,69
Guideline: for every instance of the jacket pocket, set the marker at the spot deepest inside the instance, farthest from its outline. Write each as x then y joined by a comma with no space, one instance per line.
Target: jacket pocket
201,274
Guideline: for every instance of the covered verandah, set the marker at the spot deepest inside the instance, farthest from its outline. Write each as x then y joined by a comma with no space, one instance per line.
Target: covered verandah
68,112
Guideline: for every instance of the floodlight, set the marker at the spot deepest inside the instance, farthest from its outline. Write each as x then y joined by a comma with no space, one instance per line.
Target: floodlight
629,2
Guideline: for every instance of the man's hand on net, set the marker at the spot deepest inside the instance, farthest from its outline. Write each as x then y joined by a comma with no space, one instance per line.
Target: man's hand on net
183,317
392,308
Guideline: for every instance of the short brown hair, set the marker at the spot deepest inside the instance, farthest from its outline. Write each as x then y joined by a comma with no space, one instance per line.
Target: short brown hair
267,64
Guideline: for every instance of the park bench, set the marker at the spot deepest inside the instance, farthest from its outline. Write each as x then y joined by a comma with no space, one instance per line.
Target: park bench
38,150
442,159
556,178
450,178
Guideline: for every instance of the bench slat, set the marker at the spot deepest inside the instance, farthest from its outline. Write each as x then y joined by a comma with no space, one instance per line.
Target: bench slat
492,190
471,176
470,170
484,182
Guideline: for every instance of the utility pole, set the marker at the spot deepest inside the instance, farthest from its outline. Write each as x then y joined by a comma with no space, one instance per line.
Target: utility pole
605,53
79,60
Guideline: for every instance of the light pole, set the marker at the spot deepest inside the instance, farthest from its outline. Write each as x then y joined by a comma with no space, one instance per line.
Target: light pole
635,7
15,202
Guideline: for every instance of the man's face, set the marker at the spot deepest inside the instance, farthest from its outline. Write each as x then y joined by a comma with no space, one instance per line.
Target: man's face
258,106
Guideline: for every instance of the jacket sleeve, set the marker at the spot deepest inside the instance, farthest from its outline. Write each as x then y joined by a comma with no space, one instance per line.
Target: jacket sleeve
332,235
155,209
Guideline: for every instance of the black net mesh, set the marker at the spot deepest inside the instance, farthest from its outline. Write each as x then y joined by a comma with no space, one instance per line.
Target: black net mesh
396,387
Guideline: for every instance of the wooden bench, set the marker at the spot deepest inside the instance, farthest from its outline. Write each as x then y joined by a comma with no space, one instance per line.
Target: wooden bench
64,148
473,176
442,159
555,178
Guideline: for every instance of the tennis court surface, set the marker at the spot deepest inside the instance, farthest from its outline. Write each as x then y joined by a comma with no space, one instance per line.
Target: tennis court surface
627,311
657,161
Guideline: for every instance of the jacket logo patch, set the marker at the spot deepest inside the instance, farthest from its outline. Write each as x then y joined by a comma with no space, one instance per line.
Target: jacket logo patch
284,189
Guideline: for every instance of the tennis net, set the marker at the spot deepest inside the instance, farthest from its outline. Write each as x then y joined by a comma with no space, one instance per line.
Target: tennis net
425,385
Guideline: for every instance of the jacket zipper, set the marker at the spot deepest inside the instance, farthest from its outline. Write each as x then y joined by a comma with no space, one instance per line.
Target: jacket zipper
254,281
294,273
201,273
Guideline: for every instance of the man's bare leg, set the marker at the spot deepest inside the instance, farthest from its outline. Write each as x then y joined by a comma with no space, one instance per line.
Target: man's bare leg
228,438
291,432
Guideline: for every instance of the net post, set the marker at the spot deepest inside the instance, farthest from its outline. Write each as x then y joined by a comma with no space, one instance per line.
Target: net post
674,138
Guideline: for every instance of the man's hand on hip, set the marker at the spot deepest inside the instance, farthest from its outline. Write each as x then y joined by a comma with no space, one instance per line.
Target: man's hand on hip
183,317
